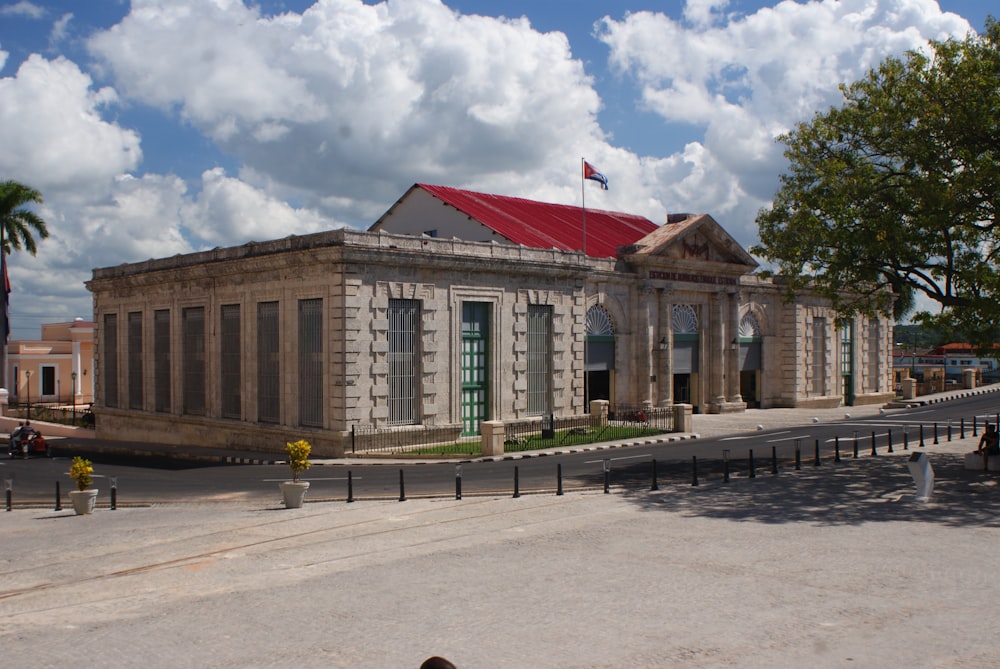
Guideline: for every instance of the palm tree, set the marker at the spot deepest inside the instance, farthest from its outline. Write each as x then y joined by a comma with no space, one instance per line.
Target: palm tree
17,222
16,226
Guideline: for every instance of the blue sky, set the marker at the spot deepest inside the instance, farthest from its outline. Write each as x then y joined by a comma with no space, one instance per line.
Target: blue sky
159,127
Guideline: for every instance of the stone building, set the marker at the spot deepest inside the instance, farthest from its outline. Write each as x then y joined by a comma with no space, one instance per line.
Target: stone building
457,307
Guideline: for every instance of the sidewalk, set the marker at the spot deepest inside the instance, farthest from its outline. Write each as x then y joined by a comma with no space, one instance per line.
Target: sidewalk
832,566
78,441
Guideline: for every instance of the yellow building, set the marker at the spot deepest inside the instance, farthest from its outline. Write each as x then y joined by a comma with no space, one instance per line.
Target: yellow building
54,368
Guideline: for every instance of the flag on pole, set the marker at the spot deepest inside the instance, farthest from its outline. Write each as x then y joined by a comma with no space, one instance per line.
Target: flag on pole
590,172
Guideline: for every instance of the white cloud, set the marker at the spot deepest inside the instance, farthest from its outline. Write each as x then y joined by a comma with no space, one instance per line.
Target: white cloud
363,100
23,8
52,131
751,78
230,211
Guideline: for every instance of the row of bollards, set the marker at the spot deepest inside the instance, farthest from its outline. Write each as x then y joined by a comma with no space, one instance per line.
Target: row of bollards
9,494
726,463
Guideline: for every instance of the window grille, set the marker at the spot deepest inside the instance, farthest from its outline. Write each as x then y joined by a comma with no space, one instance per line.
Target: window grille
161,363
539,359
110,360
475,355
268,368
402,356
231,360
818,356
135,360
847,349
193,322
311,362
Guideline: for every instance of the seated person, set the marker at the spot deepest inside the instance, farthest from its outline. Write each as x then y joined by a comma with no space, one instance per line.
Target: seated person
989,444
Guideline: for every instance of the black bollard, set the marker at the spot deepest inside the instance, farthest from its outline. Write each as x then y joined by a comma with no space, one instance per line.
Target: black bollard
961,433
906,439
350,487
888,439
935,434
975,427
753,470
921,435
517,483
58,498
855,444
607,476
836,448
774,460
114,495
874,451
949,429
458,482
694,470
655,485
816,462
9,498
798,456
402,490
559,488
725,471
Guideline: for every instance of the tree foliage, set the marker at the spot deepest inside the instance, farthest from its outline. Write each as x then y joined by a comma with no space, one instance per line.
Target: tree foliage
20,224
897,189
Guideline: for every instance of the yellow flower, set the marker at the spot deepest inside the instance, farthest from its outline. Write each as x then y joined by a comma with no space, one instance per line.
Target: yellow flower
298,457
80,471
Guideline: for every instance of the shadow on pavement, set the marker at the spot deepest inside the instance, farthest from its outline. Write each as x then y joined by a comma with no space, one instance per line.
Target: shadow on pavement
872,489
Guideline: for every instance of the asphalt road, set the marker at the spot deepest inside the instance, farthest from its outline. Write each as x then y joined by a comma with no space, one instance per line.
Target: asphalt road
143,481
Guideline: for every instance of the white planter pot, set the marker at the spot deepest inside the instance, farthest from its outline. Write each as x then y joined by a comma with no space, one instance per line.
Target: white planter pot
294,493
83,500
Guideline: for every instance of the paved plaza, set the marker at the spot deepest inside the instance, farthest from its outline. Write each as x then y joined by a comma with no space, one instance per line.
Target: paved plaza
831,566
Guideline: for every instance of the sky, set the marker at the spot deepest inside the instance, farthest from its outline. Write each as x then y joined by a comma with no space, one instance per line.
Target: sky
159,127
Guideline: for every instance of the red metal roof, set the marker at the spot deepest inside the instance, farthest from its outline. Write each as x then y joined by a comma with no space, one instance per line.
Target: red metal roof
544,225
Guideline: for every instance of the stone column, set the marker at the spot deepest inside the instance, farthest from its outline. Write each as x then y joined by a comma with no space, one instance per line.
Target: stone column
733,344
716,345
663,341
492,432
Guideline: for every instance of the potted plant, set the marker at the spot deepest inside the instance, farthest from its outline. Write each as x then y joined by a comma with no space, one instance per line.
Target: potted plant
84,497
294,491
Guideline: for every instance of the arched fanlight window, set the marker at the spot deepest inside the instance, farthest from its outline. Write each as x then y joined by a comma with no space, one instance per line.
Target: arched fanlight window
748,326
599,323
685,319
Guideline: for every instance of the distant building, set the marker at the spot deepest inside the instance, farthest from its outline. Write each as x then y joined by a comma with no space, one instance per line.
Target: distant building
953,358
55,367
458,307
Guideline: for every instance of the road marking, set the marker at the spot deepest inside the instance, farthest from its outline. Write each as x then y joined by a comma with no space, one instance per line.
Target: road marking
334,478
627,457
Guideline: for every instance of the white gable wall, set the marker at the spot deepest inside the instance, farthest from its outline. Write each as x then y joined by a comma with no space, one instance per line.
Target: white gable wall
420,212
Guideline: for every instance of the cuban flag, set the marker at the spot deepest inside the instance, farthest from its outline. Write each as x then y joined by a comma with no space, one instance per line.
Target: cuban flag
590,172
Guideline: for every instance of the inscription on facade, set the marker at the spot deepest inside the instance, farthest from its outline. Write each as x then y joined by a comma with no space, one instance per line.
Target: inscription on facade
692,278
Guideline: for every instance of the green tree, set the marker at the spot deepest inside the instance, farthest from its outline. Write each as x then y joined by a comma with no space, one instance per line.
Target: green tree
18,225
17,222
897,189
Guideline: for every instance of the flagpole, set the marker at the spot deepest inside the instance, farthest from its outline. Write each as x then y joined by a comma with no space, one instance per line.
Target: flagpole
583,209
583,201
5,327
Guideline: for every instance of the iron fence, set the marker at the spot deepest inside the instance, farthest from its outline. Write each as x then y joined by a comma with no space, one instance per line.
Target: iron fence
370,439
80,416
623,422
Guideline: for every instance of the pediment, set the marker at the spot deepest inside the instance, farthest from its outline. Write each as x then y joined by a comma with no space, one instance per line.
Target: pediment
695,239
